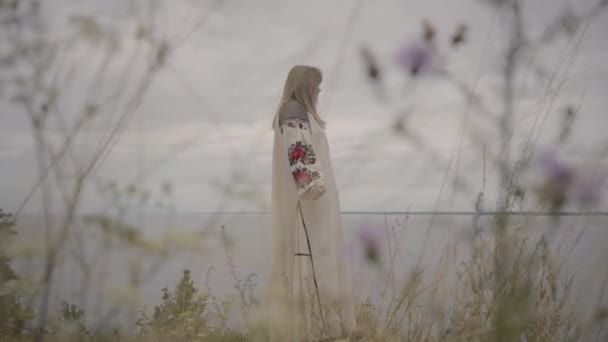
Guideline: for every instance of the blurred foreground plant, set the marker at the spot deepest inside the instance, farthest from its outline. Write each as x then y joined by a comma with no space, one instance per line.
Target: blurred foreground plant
13,314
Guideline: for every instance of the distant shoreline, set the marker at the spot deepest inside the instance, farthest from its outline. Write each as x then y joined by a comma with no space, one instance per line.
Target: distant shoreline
389,212
427,213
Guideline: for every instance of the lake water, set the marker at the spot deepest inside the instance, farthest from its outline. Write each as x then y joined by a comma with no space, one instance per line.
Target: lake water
105,294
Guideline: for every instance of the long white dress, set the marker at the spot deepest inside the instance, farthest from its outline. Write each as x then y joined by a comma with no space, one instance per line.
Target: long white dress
301,171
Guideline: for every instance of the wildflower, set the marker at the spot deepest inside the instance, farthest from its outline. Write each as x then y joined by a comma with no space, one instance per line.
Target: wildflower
428,30
371,245
568,120
399,126
459,36
372,68
554,169
558,177
162,55
589,189
569,22
417,57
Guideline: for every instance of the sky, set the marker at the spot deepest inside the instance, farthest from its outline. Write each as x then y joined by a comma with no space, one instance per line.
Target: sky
214,99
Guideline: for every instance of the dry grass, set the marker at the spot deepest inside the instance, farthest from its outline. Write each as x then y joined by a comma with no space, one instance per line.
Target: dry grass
509,289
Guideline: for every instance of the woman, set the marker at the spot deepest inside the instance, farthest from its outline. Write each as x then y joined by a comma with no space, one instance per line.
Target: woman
310,262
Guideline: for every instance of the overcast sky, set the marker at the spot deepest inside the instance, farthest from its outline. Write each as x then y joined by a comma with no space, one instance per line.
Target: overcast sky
221,86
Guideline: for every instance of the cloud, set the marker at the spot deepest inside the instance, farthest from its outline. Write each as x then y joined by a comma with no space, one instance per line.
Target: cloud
210,109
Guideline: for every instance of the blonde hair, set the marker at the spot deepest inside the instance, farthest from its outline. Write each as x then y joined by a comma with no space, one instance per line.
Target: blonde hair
300,86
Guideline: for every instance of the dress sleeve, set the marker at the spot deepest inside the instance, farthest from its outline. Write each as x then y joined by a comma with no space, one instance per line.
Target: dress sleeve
305,167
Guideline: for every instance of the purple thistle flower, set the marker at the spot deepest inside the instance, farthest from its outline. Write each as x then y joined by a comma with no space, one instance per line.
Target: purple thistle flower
417,57
554,169
557,178
589,190
371,245
561,182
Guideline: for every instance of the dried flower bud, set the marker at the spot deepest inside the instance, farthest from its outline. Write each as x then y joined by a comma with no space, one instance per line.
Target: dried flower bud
428,30
162,54
460,35
371,65
569,115
371,245
569,21
399,125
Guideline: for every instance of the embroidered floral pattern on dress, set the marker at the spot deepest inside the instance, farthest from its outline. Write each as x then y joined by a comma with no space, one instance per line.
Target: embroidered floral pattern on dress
305,167
303,176
303,153
296,123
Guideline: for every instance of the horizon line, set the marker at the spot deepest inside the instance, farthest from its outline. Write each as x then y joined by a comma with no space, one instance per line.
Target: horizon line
390,212
430,212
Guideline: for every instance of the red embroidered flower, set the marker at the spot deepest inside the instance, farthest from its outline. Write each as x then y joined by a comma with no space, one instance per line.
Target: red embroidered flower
297,123
302,177
297,153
